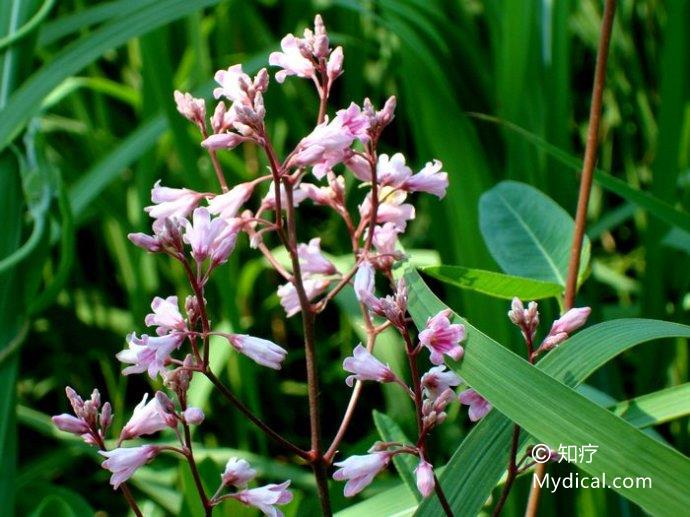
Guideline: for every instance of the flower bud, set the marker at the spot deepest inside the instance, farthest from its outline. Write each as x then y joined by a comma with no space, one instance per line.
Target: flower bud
193,415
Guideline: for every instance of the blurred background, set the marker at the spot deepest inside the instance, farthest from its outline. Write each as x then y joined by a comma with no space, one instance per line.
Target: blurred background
88,124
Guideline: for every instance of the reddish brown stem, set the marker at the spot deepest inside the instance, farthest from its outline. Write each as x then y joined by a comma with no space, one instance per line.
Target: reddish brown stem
189,454
583,200
216,164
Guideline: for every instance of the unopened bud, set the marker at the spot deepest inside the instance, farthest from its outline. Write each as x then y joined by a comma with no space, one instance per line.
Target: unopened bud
193,415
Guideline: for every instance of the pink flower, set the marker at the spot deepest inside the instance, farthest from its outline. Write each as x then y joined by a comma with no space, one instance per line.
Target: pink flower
166,316
289,298
359,471
479,406
360,167
334,66
172,202
210,238
312,260
442,337
223,141
123,462
364,282
291,59
237,472
392,171
331,195
147,418
193,415
262,351
71,424
385,241
265,497
570,321
425,477
366,367
190,108
429,180
233,84
269,200
391,207
228,205
148,353
437,380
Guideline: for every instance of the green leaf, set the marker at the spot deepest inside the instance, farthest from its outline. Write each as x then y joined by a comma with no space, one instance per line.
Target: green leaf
394,502
530,397
54,506
404,463
25,102
527,233
655,408
494,284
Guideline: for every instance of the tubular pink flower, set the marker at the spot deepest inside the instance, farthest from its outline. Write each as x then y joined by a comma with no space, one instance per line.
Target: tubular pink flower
331,195
386,238
269,200
210,238
123,462
228,205
265,497
237,473
429,180
443,337
312,260
148,354
392,171
479,406
223,141
391,208
70,424
171,202
425,477
437,380
166,316
366,367
360,167
261,351
359,471
334,66
291,60
288,294
193,415
147,242
571,321
147,418
233,83
364,283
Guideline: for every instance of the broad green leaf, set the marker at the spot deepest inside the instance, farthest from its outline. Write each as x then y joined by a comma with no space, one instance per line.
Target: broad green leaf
655,408
529,397
494,284
527,233
24,103
404,463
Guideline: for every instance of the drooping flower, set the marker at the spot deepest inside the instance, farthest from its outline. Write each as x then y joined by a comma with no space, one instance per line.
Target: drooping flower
479,406
312,260
265,497
228,205
430,179
366,367
290,300
124,461
193,415
147,418
209,238
359,166
261,351
359,471
237,473
269,200
443,337
172,202
148,354
364,282
425,477
166,316
437,380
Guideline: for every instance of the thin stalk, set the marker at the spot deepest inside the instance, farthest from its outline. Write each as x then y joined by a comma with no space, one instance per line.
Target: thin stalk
189,454
583,200
124,488
512,472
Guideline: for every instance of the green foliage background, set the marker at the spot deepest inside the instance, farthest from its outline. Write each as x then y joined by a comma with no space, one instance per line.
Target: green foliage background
87,124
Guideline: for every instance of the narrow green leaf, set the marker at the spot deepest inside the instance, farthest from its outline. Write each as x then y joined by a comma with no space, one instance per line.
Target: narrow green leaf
494,284
527,233
530,397
404,463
